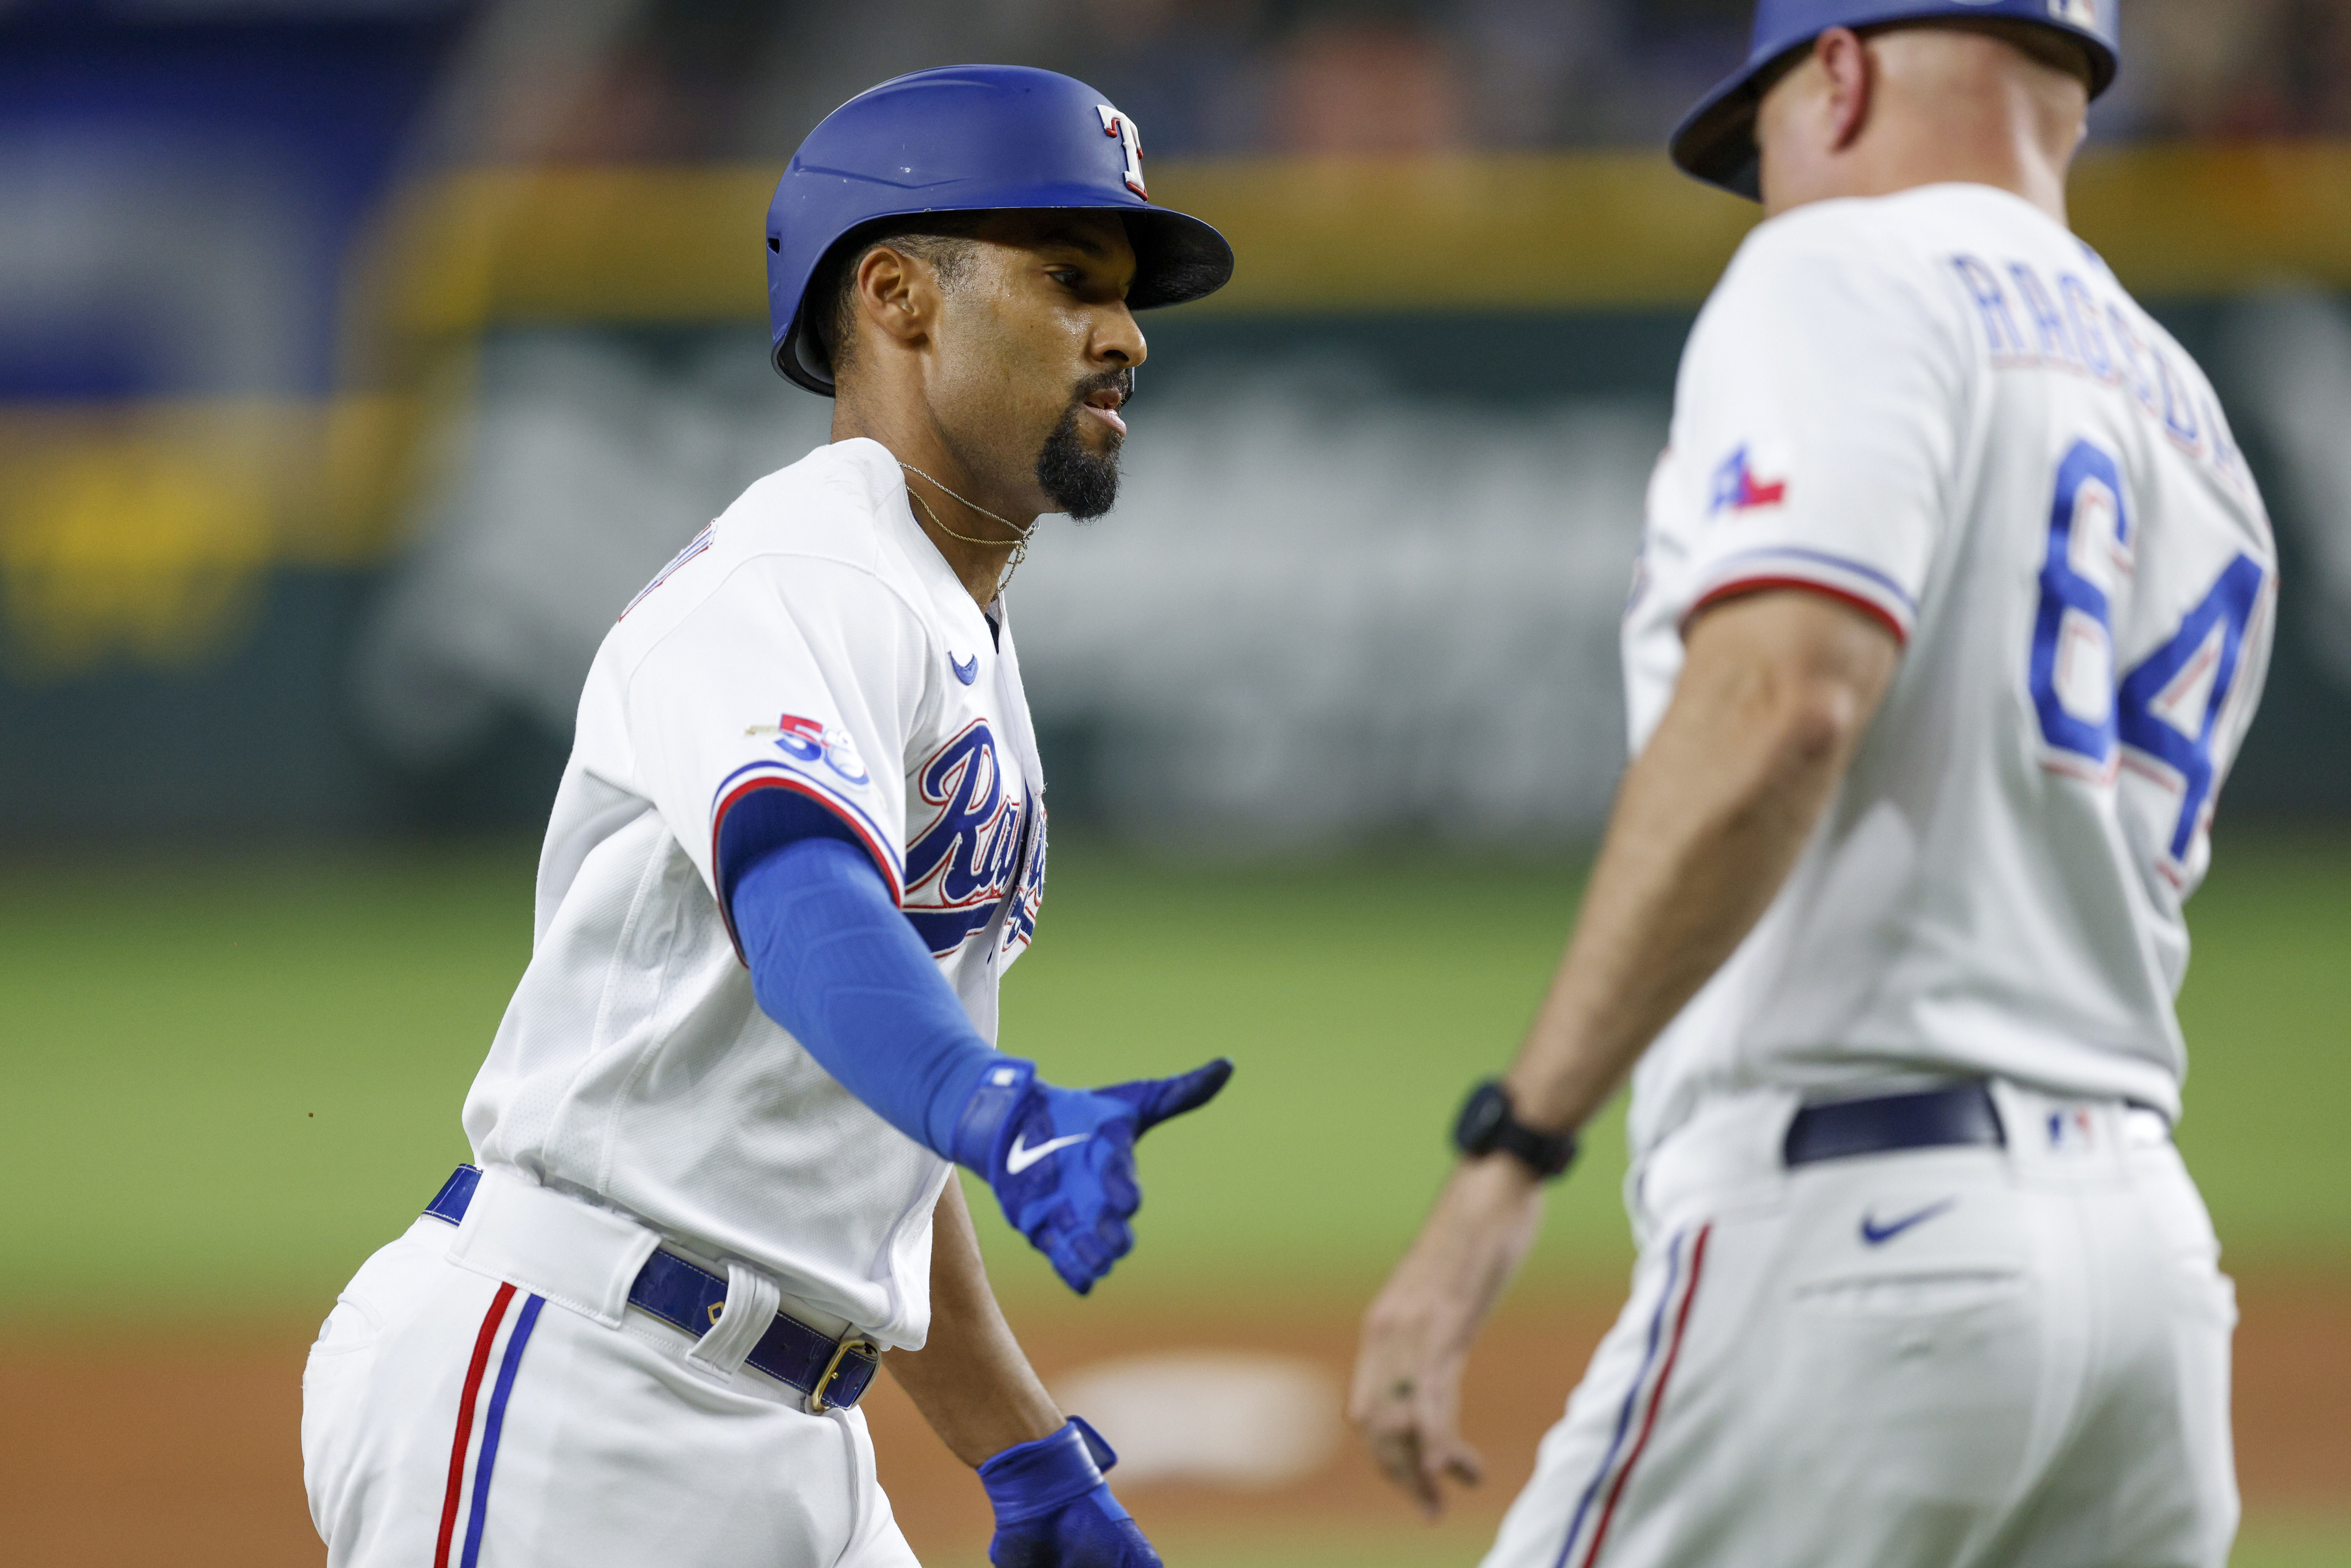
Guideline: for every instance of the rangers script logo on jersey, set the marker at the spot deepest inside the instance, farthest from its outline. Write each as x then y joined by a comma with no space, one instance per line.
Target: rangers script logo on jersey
960,866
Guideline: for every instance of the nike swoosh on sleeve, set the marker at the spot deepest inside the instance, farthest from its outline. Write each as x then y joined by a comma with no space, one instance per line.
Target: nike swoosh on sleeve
1020,1157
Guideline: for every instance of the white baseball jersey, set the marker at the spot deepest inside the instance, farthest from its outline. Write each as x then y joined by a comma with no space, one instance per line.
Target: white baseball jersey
810,641
1940,407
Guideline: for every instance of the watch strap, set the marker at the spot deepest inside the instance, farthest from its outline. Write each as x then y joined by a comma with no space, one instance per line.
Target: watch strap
1489,1125
1548,1155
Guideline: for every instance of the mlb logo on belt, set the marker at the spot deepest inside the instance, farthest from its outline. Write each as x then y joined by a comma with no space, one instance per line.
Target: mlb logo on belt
2073,1131
1738,486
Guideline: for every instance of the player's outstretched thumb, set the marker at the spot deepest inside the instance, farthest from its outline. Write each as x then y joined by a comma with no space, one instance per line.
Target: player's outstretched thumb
1156,1099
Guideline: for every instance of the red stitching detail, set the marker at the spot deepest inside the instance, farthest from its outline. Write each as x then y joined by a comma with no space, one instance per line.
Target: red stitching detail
872,845
1656,1398
1757,584
482,1343
799,787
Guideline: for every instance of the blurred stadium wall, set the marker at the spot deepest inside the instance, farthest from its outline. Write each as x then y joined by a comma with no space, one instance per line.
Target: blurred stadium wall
359,360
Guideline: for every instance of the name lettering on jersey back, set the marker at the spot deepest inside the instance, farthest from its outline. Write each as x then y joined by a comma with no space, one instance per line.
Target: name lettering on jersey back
694,547
2068,323
960,867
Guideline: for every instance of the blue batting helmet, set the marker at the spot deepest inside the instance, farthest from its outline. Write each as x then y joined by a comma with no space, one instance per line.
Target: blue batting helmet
967,139
1716,141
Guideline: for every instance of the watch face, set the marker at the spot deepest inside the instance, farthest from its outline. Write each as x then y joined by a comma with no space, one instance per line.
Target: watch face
1482,1118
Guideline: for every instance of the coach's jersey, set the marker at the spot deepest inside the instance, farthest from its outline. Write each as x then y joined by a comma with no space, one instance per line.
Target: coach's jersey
811,640
1940,407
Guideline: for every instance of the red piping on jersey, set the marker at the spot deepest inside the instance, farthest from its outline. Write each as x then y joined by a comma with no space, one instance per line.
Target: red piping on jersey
474,1370
1869,607
797,786
1656,1398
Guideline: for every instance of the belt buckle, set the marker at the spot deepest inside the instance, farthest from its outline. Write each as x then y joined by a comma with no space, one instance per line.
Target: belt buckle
817,1406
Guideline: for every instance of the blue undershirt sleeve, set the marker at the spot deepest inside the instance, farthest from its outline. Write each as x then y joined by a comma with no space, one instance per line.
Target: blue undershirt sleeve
834,961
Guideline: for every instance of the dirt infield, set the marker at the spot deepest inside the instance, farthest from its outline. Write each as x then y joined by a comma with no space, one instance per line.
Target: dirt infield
157,1443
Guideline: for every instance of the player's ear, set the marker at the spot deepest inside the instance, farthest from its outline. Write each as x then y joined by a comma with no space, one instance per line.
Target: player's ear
1852,78
895,294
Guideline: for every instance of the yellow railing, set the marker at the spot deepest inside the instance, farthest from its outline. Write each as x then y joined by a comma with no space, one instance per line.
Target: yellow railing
144,531
1533,232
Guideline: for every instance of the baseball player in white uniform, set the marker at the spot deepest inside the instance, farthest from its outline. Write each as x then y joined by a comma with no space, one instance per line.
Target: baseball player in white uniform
1954,605
801,839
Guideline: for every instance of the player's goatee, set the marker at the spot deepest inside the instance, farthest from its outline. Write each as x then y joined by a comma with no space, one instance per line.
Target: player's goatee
1082,483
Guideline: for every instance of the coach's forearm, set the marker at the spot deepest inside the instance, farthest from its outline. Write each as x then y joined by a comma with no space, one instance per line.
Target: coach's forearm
1776,693
971,1381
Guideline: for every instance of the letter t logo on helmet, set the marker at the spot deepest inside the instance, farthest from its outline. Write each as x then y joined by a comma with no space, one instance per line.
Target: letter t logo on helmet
970,139
1118,125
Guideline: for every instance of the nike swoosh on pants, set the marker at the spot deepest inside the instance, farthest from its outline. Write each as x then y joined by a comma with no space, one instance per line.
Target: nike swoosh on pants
1874,1234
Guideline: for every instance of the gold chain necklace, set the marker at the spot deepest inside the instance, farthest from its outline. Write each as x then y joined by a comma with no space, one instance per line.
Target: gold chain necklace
1019,548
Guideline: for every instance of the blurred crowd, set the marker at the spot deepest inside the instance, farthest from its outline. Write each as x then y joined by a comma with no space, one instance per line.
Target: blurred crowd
263,133
746,78
634,79
355,556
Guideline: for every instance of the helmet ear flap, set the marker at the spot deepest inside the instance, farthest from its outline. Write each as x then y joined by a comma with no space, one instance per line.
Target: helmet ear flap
799,354
807,355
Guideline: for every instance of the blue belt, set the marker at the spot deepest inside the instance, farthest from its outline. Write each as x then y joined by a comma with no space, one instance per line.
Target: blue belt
831,1372
1962,1115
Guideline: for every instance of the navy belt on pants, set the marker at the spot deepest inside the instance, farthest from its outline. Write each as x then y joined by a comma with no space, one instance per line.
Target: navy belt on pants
1961,1115
831,1372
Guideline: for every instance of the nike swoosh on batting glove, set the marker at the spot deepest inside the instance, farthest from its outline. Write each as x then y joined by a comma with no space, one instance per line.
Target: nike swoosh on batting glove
1053,1509
1062,1161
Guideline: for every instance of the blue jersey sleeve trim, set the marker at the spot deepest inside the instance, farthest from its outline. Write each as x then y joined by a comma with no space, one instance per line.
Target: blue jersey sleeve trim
765,807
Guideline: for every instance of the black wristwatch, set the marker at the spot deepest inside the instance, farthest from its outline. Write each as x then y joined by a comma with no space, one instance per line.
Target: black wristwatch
1485,1126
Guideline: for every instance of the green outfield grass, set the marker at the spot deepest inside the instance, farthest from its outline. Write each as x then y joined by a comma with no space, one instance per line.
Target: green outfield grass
229,1077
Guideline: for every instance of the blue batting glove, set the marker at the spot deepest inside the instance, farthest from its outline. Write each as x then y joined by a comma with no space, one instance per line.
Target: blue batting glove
1062,1161
1053,1509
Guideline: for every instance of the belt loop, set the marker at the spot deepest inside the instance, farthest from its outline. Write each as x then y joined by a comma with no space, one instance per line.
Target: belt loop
750,1309
551,1244
2040,1126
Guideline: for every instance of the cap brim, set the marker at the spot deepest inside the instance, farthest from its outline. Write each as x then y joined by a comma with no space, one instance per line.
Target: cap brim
1716,141
1177,258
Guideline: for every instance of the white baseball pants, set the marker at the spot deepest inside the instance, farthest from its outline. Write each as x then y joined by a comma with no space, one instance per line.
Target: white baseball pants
1937,1358
451,1420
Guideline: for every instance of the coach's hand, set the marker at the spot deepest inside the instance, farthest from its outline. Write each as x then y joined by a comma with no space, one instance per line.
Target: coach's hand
1407,1397
1062,1161
1053,1509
